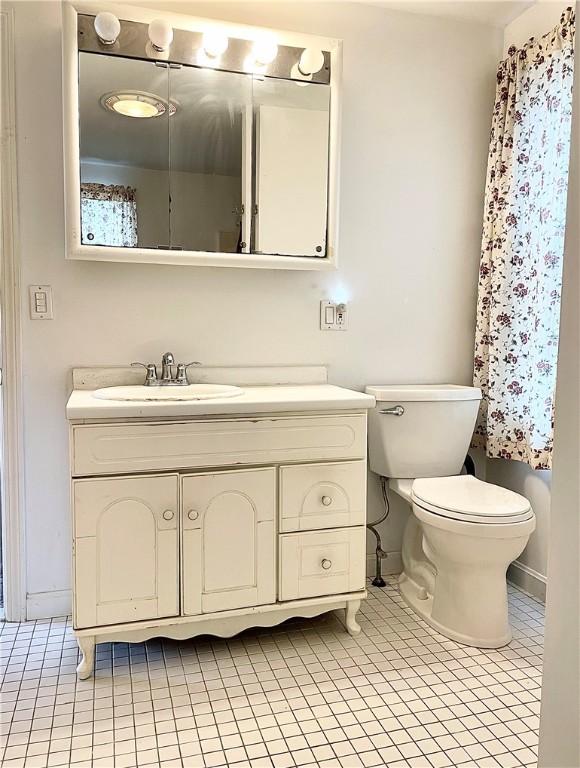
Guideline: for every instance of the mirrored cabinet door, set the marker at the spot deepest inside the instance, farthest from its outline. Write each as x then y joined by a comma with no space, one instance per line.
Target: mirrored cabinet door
209,160
187,158
124,117
290,167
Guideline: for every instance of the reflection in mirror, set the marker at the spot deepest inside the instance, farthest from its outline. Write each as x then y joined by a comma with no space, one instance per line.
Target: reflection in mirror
124,151
208,160
291,167
197,159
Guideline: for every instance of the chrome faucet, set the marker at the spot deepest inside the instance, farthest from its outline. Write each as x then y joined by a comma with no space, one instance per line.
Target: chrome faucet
167,361
167,379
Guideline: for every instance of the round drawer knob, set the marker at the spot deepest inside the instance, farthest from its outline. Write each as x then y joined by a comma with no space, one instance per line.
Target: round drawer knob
327,501
326,564
168,514
193,514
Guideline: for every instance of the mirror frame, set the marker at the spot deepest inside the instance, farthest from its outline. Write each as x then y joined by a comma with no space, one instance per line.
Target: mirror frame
77,251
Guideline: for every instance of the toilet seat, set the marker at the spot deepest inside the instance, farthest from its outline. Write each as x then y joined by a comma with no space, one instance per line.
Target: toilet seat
464,498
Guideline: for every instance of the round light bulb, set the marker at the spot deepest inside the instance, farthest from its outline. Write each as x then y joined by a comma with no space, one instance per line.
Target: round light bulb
265,51
298,77
215,44
311,61
107,26
160,34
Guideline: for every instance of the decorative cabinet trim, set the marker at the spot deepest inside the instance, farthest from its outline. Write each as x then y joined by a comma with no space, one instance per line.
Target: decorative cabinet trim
123,448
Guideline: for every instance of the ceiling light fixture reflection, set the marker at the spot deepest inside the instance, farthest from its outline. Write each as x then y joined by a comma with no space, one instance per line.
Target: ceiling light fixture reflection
137,104
215,44
108,27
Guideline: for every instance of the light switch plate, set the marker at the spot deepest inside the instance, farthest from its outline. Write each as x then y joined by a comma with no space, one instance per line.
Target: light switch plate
40,299
333,316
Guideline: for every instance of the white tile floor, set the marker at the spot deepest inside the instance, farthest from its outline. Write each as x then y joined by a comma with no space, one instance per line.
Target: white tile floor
301,694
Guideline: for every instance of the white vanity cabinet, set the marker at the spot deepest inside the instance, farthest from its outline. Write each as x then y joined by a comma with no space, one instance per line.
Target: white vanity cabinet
214,524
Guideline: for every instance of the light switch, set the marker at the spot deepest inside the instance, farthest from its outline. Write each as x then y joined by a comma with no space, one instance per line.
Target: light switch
40,297
333,316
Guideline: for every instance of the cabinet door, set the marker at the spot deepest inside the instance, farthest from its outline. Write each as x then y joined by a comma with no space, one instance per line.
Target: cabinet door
228,540
126,549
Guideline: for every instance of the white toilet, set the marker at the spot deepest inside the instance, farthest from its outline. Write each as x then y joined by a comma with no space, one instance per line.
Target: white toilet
463,533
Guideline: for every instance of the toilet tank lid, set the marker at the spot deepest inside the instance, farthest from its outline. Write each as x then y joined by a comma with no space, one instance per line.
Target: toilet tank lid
406,393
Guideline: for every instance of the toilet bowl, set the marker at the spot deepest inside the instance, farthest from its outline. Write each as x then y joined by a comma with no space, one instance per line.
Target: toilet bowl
462,533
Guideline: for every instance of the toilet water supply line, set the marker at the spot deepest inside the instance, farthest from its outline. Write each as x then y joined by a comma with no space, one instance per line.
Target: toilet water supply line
380,553
378,581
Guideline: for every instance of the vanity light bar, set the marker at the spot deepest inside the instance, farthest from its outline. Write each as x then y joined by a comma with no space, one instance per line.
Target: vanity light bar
134,42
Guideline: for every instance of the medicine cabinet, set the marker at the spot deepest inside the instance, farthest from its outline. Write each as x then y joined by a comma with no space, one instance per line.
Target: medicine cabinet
187,156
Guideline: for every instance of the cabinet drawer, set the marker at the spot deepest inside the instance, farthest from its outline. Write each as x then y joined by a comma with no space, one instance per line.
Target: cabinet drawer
322,496
322,563
118,448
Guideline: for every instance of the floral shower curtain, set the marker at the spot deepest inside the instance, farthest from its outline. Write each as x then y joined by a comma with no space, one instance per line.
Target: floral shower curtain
520,275
108,215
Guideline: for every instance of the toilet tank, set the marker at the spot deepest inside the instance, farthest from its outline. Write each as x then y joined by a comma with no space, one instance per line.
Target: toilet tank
421,430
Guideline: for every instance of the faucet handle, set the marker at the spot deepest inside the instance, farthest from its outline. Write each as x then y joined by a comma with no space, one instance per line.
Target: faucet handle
151,376
181,374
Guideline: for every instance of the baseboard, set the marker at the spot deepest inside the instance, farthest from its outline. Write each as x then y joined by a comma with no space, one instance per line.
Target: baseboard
392,564
48,605
528,580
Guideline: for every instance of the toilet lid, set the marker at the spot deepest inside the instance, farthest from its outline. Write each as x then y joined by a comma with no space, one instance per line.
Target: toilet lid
464,497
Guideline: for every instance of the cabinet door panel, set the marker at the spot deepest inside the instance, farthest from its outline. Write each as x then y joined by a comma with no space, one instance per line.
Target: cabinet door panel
228,540
126,549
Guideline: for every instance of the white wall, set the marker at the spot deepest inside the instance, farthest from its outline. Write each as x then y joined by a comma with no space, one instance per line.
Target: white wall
560,713
418,93
534,485
541,18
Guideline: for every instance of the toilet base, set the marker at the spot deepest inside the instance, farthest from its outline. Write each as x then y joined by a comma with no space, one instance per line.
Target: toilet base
421,602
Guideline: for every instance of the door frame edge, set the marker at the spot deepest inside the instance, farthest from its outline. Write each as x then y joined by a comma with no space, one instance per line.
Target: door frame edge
13,489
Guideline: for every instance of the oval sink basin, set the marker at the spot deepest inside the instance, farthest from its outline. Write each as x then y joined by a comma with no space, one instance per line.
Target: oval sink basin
169,393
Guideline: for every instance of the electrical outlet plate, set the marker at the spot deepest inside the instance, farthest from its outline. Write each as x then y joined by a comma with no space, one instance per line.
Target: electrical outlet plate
333,316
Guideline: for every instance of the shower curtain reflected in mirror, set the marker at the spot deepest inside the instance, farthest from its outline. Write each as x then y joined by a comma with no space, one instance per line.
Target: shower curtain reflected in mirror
108,215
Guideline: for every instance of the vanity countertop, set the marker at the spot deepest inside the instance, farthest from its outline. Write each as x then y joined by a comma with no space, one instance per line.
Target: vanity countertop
280,398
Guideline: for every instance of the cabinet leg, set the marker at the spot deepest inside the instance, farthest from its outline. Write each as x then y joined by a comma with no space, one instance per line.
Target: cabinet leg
87,646
352,625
